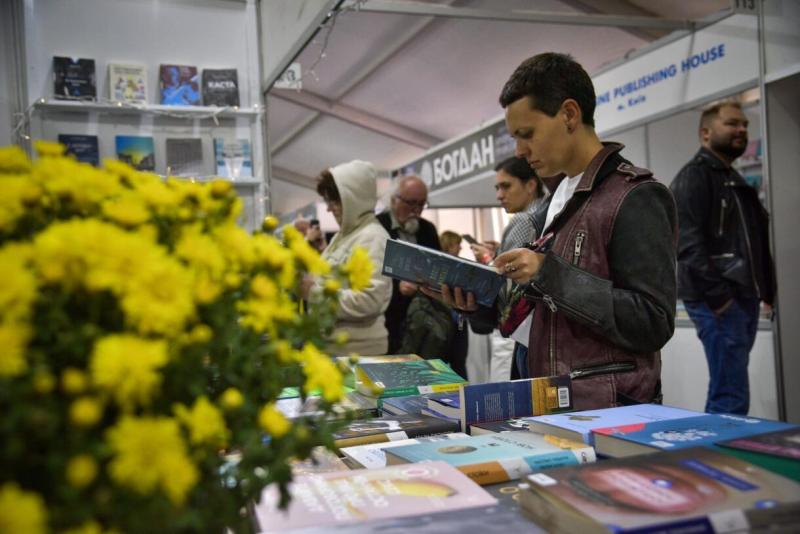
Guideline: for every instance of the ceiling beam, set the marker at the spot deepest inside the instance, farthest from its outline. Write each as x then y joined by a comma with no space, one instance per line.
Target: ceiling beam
539,17
357,117
619,7
285,175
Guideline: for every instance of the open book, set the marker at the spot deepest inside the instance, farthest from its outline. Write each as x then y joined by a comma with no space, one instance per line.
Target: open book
432,268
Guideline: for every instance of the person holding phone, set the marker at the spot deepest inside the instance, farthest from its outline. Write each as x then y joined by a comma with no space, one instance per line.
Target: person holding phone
315,237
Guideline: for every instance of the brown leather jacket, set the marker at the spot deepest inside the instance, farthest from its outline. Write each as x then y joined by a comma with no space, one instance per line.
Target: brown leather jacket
606,290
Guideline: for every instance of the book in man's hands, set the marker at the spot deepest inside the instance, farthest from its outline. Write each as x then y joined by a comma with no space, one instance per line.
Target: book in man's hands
432,268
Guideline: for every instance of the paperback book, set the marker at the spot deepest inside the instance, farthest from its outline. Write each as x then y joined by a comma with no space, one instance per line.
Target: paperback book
496,427
373,455
391,428
330,499
179,85
497,458
691,490
408,405
83,147
184,156
220,87
432,268
233,159
784,443
415,377
136,151
74,78
127,83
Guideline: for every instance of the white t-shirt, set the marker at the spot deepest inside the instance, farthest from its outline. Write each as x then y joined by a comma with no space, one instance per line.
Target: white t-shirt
560,197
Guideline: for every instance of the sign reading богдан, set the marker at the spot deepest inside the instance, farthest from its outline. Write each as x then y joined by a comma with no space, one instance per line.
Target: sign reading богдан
464,158
700,65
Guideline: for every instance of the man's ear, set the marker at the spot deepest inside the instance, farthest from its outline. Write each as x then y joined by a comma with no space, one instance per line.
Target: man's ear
572,114
704,133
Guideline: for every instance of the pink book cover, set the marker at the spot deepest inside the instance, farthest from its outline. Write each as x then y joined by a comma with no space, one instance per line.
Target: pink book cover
343,497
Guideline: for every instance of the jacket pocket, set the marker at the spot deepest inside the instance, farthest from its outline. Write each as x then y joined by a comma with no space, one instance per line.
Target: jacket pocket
604,369
731,267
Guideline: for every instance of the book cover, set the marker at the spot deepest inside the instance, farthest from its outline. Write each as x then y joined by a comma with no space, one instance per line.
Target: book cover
434,413
184,156
691,490
331,499
233,158
74,78
373,455
179,85
783,443
579,425
495,427
415,377
83,147
512,399
127,83
447,404
220,87
408,405
321,461
672,434
432,268
391,428
497,458
136,151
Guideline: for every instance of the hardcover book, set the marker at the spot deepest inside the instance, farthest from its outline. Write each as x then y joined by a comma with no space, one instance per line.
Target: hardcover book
415,377
497,401
74,78
643,438
578,425
220,87
185,156
136,151
373,455
127,83
83,147
409,405
783,443
432,268
391,428
330,499
321,461
497,458
179,85
233,159
447,404
496,427
691,490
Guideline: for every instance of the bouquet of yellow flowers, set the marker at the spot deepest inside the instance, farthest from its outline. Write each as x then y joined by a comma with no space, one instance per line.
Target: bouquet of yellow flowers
143,335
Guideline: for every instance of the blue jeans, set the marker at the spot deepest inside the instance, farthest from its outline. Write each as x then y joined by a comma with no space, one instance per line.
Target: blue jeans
727,340
521,359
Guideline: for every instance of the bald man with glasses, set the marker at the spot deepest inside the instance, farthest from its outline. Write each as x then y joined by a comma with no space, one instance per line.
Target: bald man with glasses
403,221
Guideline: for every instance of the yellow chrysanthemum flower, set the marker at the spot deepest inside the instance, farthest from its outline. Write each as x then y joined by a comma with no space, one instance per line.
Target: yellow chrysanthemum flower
74,381
21,511
17,284
236,245
321,373
127,368
270,223
267,307
271,253
89,527
19,193
231,399
150,455
14,160
14,342
359,269
43,382
81,471
331,287
308,255
48,148
128,210
85,412
273,421
205,423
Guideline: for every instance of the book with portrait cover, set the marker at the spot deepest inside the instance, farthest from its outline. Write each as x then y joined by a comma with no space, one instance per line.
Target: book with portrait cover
391,428
184,156
74,78
692,490
777,451
220,87
415,377
136,151
432,268
127,83
83,147
179,85
233,159
342,498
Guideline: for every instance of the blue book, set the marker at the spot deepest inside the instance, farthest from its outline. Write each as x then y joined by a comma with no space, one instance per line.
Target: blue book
674,434
578,425
498,401
136,151
409,405
496,458
83,147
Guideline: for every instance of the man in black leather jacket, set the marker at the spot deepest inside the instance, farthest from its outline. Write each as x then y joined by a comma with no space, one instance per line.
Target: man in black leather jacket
724,265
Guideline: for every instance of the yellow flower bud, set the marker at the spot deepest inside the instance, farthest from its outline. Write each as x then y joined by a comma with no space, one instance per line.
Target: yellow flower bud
340,338
231,399
284,351
220,188
43,382
201,333
270,223
73,381
81,471
301,433
332,287
232,280
353,358
273,421
85,412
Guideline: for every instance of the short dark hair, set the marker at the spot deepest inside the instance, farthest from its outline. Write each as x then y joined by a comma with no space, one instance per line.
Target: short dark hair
549,79
712,111
519,168
326,187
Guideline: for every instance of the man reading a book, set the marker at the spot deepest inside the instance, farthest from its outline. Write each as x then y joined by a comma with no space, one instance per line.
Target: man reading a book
602,273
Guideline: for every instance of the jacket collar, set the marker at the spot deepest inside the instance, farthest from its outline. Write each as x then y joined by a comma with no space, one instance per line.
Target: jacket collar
711,159
597,168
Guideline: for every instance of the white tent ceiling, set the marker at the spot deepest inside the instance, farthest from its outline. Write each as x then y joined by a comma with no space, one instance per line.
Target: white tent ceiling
389,87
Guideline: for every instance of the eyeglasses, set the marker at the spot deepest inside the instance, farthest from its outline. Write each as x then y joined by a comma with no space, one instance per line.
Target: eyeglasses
419,204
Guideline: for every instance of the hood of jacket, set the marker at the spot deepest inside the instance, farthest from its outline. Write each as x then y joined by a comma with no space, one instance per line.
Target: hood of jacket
357,185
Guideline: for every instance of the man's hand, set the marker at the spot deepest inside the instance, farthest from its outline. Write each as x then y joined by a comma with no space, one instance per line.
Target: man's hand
455,299
722,309
519,264
482,253
407,289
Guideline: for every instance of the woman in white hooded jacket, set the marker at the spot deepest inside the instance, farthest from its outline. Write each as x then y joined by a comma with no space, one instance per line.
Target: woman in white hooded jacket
350,192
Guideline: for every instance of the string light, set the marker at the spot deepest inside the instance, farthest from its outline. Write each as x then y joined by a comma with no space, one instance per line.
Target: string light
328,24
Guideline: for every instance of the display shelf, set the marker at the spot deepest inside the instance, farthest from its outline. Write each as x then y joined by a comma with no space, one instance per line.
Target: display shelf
213,177
129,108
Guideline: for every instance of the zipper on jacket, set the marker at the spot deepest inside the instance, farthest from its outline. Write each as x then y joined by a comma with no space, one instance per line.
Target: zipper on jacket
722,217
551,303
749,248
576,256
617,367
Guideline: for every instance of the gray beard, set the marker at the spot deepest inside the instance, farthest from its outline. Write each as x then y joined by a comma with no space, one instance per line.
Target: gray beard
411,226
